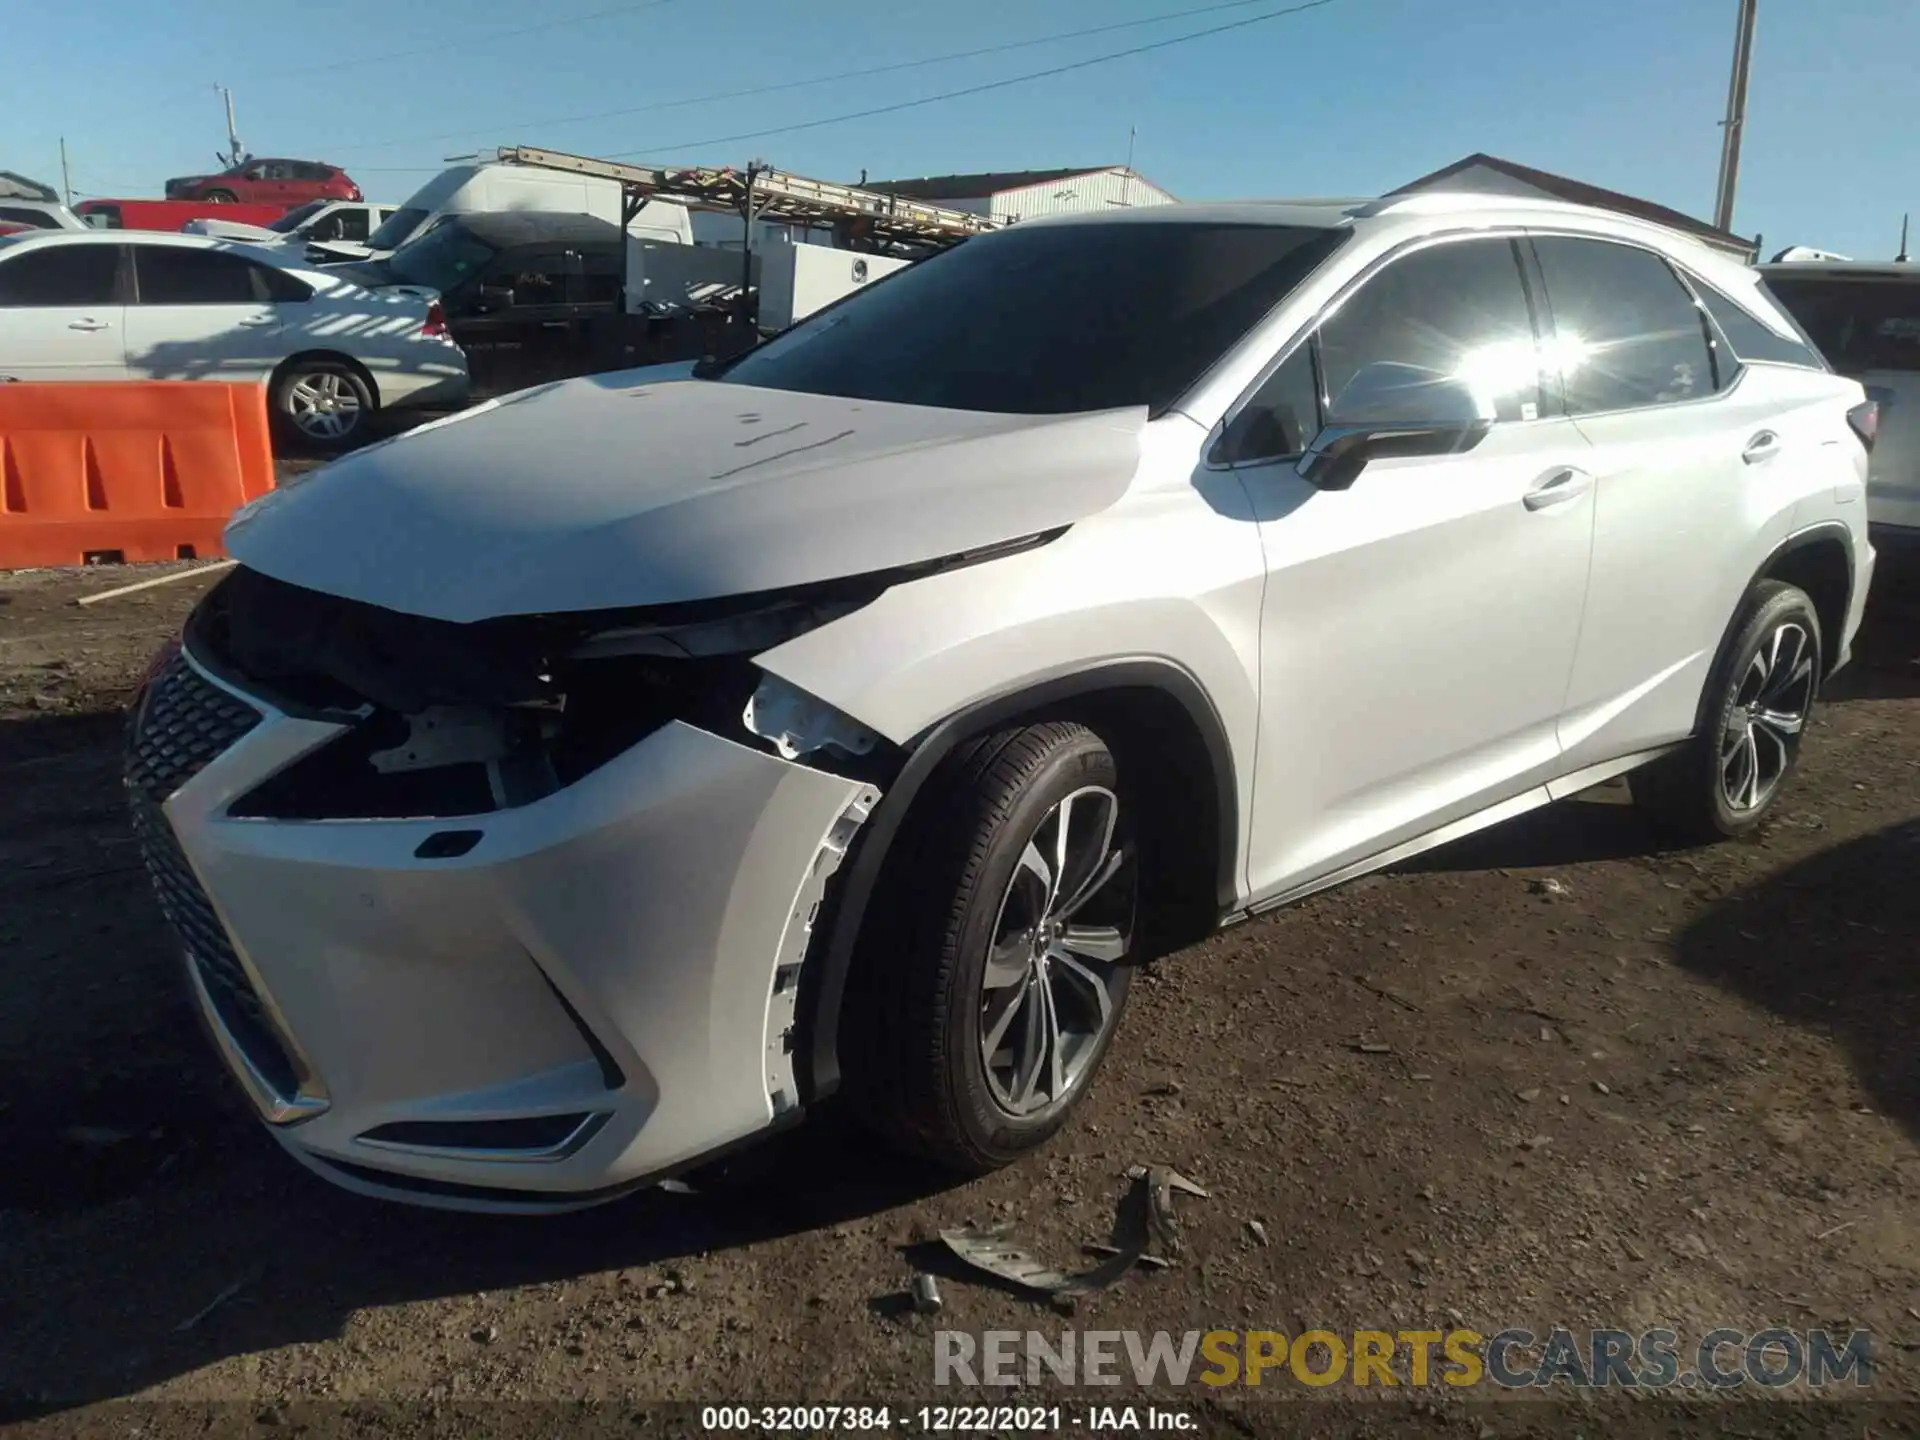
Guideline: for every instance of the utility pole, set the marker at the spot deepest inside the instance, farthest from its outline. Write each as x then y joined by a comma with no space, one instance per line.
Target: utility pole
1736,118
1126,185
235,154
66,179
1901,258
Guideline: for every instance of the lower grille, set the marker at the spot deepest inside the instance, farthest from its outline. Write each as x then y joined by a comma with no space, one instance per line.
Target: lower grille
182,724
211,954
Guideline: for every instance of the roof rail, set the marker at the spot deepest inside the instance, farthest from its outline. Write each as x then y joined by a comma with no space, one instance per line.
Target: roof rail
1426,202
1430,202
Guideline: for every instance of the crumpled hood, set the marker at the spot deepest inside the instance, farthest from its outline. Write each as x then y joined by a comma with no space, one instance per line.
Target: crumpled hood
628,490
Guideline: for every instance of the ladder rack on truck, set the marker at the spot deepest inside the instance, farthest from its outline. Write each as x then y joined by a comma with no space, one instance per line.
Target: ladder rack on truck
862,219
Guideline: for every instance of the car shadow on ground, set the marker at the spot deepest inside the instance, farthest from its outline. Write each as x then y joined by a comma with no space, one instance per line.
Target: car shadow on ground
1839,935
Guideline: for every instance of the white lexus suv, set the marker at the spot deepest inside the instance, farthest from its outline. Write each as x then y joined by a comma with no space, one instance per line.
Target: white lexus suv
562,794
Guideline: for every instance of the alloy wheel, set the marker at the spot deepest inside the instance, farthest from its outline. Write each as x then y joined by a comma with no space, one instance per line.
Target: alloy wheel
1771,701
323,405
1064,929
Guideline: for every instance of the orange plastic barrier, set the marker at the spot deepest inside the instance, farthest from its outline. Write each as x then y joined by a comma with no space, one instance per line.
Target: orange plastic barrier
127,470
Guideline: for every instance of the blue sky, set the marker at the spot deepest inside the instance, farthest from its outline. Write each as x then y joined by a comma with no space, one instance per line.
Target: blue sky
1351,98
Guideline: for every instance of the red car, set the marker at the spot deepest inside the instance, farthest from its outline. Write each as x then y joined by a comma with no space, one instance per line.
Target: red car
168,214
268,182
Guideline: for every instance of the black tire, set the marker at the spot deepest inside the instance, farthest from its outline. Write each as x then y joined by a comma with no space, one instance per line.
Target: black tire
1686,794
911,1036
307,381
220,197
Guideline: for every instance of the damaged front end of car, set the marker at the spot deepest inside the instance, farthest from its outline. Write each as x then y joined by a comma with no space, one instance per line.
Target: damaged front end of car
476,886
450,720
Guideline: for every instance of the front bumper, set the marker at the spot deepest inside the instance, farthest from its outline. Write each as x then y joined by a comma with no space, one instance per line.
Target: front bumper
599,991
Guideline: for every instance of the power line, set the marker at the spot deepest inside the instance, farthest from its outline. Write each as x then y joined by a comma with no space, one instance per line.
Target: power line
971,89
443,46
438,48
784,85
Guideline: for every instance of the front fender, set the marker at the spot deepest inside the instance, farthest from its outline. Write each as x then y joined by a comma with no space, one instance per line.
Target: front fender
1162,593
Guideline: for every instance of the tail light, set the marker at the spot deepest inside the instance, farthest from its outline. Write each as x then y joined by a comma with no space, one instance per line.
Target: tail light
1865,420
353,193
436,322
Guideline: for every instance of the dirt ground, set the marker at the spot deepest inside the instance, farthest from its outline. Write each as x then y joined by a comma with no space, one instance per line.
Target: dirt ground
1551,1075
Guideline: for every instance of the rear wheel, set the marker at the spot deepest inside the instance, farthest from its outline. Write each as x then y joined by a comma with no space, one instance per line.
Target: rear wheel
993,982
1760,698
322,402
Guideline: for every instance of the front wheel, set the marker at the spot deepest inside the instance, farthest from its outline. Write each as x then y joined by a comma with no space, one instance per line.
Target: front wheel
1759,699
994,979
219,197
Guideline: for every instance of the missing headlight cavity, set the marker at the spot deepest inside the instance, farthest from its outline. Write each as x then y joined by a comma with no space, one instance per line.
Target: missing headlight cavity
444,720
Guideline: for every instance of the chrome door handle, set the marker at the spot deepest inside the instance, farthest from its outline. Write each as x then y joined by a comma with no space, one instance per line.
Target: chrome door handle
1557,487
88,324
1763,446
258,320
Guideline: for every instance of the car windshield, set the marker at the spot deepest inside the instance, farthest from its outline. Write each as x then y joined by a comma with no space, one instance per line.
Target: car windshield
294,219
396,228
1048,320
440,259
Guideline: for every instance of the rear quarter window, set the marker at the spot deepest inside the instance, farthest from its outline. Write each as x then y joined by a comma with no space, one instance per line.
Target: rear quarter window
1749,338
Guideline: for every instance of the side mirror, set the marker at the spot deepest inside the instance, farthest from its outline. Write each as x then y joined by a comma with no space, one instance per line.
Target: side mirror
1393,409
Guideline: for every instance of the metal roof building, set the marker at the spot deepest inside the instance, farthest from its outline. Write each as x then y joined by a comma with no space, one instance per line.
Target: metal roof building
1027,194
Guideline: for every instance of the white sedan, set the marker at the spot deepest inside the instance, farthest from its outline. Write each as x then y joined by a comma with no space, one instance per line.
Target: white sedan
341,224
119,305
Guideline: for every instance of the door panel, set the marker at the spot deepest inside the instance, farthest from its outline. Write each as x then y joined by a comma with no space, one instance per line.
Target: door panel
1419,627
200,315
61,314
1697,472
1416,643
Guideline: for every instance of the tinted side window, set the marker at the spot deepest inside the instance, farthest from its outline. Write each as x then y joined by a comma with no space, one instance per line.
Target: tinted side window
305,171
1626,332
272,284
1864,324
1749,338
1457,309
350,224
176,276
536,280
61,275
597,282
1279,419
38,219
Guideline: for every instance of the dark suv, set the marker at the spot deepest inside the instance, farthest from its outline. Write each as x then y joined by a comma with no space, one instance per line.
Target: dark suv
268,182
524,289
